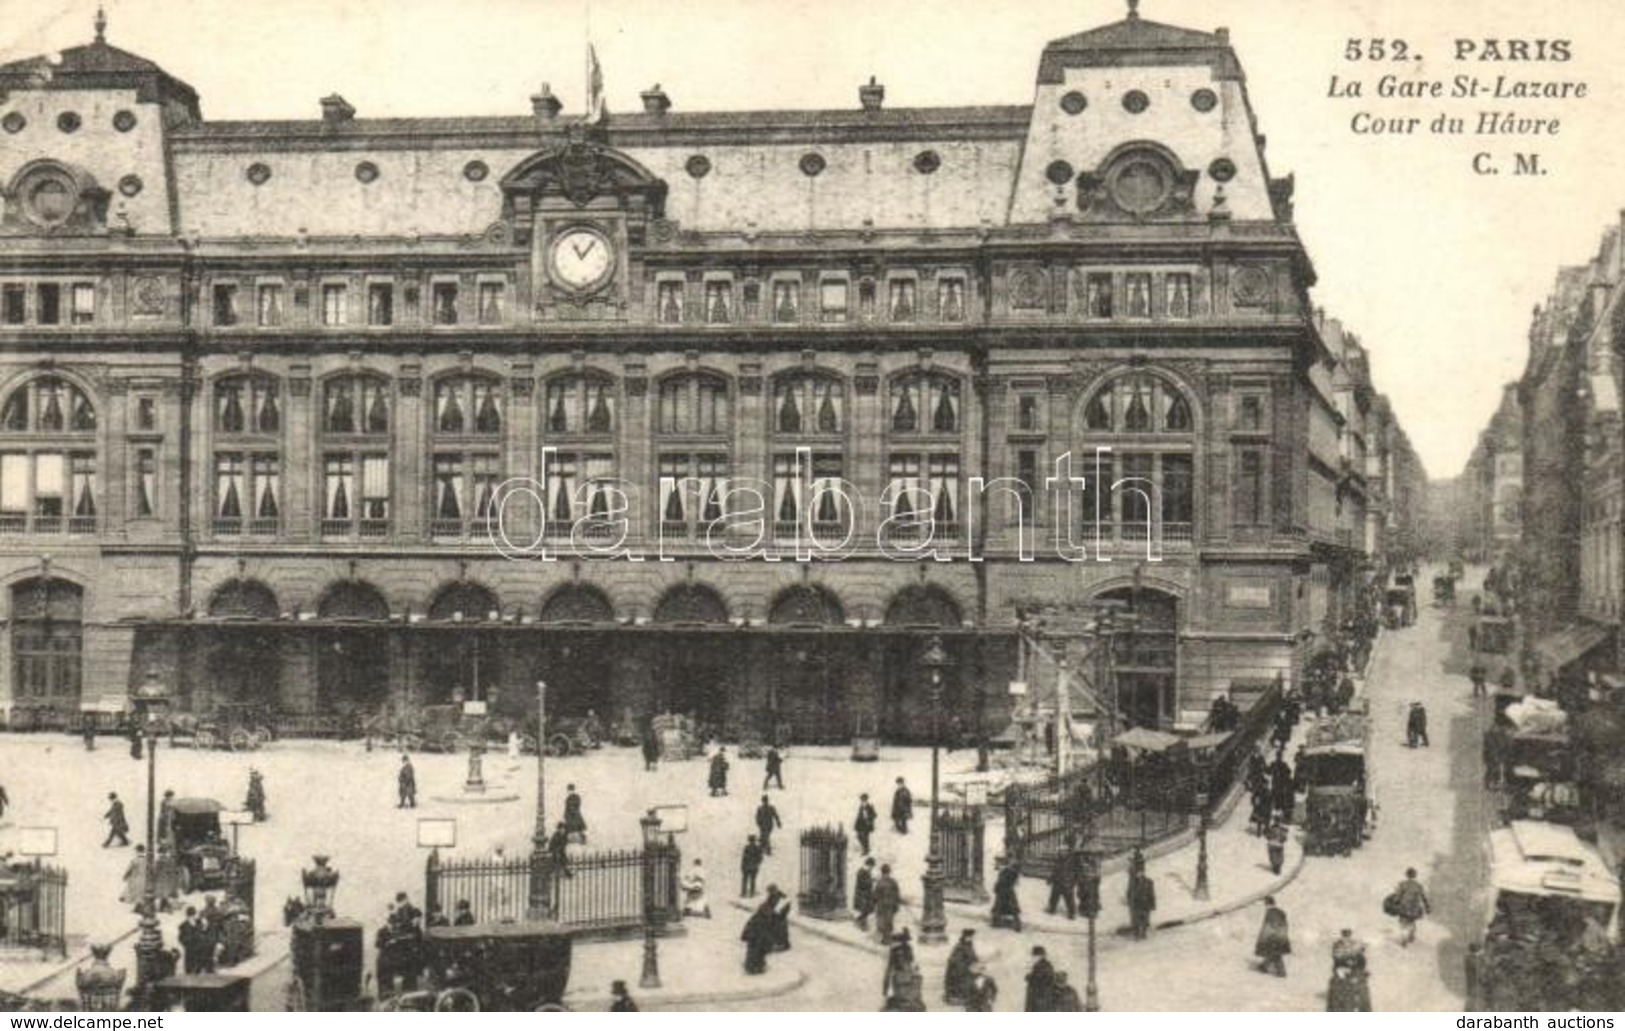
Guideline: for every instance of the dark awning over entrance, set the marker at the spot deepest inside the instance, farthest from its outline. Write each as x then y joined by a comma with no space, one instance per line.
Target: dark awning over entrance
1571,644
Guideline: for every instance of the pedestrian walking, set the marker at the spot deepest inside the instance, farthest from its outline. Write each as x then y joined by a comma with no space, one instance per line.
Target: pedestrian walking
1416,726
1348,992
775,769
118,826
693,885
621,999
87,730
1263,811
1409,902
1275,846
1063,881
406,785
1040,983
255,800
136,749
1494,750
899,966
863,825
1283,792
1006,901
1274,940
717,779
651,749
888,900
767,820
1064,997
1349,951
194,941
902,807
575,824
959,977
1480,679
758,934
135,879
750,864
863,893
1473,971
558,849
1142,900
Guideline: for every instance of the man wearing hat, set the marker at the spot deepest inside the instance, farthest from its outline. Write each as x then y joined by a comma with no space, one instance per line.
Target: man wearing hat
888,900
622,998
750,864
1040,983
863,893
959,981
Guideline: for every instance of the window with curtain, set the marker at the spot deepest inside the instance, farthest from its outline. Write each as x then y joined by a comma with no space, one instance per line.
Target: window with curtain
269,307
693,404
926,403
1179,295
380,304
692,493
808,404
1147,485
83,306
1137,295
578,485
144,484
491,297
669,302
248,405
951,298
923,495
464,491
356,406
902,300
807,495
48,477
246,493
580,405
719,302
786,300
468,406
335,304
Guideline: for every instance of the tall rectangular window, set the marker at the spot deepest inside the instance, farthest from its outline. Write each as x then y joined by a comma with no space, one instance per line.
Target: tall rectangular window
409,303
490,304
1137,295
1179,295
866,299
951,298
832,301
1027,484
269,308
225,304
380,304
786,301
1178,496
719,302
146,414
84,304
338,488
1097,295
146,483
1252,504
48,308
902,301
669,302
14,304
1028,419
1250,413
82,492
374,487
335,304
444,303
14,488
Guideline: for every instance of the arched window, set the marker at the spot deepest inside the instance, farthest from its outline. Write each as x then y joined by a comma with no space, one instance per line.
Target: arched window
48,458
356,411
809,415
579,421
47,641
247,497
693,476
247,405
1145,487
468,406
925,403
923,464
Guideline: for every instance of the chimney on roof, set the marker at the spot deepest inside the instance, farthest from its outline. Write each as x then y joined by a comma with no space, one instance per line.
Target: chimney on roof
337,110
1222,34
655,101
872,95
544,105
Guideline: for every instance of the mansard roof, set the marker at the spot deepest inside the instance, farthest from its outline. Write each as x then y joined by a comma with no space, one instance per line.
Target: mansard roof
98,65
1135,42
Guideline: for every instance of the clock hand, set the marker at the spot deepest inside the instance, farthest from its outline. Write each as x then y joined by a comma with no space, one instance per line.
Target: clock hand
583,252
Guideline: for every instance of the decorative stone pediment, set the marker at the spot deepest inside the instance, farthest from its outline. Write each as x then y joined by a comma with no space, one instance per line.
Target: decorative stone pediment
577,174
1138,182
53,198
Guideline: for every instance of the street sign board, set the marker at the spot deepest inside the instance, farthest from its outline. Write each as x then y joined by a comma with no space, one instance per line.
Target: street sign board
673,818
1018,688
36,841
437,832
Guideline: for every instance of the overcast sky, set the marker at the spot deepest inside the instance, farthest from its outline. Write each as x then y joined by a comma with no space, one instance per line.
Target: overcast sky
1434,268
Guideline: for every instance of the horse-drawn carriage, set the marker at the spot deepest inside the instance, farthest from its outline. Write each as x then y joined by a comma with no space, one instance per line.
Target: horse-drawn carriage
1337,807
1444,590
239,728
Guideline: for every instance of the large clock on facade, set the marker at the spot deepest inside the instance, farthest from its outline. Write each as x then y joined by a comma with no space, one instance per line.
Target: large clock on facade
581,259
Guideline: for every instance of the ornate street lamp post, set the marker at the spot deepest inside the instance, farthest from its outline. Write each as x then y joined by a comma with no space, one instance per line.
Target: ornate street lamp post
151,699
1089,899
540,904
650,977
1201,846
933,918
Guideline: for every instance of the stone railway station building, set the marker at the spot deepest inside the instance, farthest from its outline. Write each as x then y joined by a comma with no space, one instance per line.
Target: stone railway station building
260,383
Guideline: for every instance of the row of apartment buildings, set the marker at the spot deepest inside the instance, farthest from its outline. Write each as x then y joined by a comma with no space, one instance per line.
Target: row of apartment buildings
291,410
1542,489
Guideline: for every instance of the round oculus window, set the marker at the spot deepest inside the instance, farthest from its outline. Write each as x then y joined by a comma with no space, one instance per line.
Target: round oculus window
130,185
68,121
1140,186
1222,170
1135,101
13,122
812,163
1074,102
259,173
927,161
124,121
1058,172
1204,100
366,172
698,166
50,200
476,171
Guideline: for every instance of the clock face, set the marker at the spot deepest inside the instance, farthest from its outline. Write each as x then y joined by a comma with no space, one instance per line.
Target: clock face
582,258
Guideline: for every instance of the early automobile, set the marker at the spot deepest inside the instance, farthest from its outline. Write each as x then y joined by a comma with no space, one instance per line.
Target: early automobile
507,968
1495,634
1337,807
201,849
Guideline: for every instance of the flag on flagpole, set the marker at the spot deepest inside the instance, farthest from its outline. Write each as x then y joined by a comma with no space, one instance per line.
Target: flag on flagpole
595,87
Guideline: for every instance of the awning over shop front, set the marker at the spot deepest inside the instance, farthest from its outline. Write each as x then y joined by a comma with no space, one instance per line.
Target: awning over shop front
1570,645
